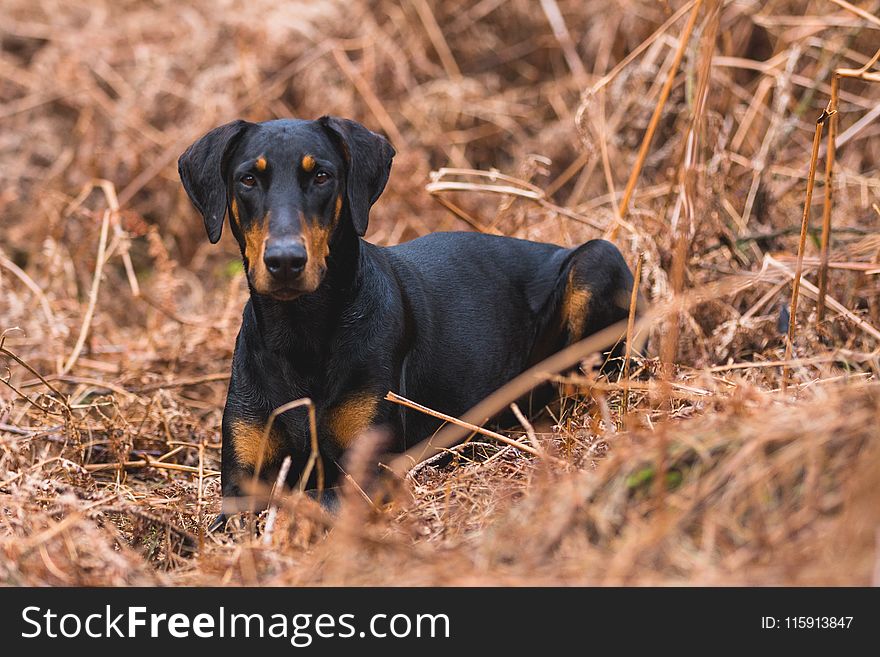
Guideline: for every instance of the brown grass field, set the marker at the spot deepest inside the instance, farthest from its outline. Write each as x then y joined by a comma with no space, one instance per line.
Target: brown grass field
684,131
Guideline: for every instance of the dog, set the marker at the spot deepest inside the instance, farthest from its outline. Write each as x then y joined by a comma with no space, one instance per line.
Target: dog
444,319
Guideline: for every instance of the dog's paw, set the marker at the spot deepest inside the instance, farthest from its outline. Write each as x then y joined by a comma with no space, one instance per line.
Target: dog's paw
327,498
219,523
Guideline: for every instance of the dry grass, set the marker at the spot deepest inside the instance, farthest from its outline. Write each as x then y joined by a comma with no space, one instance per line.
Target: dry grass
118,317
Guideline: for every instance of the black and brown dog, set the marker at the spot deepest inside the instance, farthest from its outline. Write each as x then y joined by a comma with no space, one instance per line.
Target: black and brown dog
444,319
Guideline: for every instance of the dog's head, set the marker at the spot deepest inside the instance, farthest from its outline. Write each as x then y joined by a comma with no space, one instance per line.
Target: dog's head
289,187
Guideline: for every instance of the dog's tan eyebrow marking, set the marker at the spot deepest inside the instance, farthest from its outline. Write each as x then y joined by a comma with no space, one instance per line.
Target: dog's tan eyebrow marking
308,163
261,163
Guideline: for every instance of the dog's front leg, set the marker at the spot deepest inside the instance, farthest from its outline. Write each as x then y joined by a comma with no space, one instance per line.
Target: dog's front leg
247,449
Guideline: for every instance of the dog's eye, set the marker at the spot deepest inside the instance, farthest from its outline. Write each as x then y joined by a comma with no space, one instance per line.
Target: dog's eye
248,180
321,177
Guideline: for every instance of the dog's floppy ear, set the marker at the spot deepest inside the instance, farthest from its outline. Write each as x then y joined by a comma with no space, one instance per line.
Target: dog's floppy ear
368,157
201,169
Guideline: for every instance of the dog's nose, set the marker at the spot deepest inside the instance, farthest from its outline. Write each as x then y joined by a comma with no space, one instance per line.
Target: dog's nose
285,260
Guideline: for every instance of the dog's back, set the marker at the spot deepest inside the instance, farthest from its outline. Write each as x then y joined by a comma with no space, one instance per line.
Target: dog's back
486,307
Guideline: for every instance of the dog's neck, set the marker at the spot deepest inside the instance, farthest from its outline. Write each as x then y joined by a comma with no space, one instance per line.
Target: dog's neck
300,328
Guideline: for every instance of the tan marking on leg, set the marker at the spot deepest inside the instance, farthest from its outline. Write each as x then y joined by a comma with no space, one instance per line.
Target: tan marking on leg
351,418
247,442
317,242
261,163
308,163
575,307
254,245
